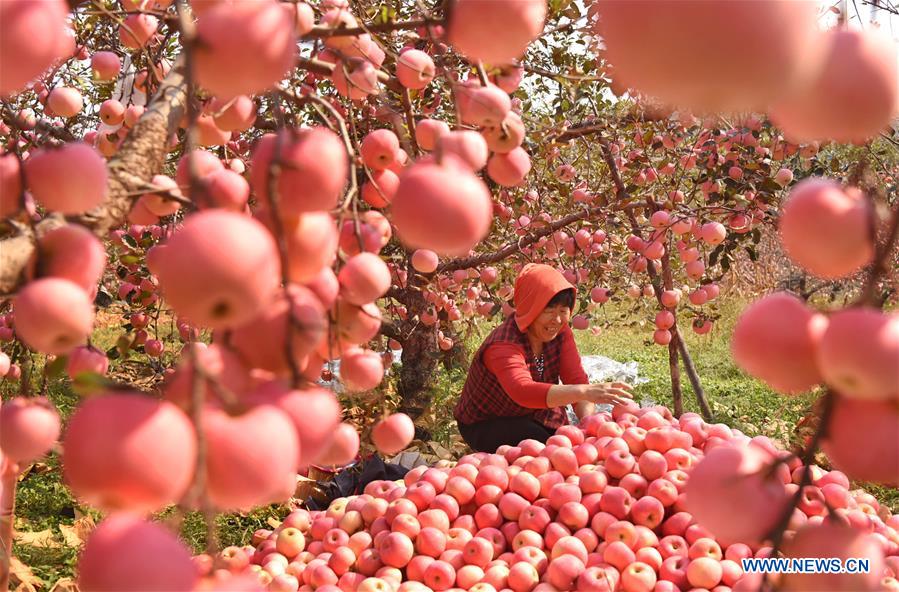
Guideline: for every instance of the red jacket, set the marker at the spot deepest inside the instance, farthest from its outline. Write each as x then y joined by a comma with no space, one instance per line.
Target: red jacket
503,380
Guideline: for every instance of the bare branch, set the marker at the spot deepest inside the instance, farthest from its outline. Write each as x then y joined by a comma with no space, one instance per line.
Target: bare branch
321,32
323,68
577,131
550,74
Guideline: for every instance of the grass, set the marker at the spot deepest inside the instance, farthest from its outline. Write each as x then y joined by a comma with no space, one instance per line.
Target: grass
44,503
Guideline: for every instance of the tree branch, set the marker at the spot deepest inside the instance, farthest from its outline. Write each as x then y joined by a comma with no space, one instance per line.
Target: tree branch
321,32
11,119
776,534
550,74
391,331
141,156
576,131
323,68
512,248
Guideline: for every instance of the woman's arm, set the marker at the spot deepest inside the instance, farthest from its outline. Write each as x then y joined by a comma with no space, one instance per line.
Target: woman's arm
613,393
507,362
584,408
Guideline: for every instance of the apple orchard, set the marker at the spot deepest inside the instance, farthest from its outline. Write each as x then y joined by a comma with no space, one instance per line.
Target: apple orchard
245,191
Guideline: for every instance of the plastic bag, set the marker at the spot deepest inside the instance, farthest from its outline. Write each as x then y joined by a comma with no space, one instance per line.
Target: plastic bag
603,369
598,369
334,366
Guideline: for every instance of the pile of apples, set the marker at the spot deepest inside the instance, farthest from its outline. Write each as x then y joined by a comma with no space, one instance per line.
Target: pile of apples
635,500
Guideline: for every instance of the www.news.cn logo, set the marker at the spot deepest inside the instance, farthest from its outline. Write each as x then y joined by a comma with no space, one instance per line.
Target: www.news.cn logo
806,565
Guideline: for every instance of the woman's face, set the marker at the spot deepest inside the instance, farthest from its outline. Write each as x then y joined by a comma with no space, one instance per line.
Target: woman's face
550,322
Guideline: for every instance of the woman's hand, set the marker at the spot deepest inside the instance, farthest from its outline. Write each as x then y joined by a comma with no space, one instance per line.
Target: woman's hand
609,393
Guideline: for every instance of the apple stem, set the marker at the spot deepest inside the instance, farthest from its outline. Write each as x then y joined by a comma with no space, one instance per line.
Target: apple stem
410,121
776,534
482,74
197,494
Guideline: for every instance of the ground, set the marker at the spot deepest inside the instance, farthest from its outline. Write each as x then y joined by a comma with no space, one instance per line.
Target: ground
49,521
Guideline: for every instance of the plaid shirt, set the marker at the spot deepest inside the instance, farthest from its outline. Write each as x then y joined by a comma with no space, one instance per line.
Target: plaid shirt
484,398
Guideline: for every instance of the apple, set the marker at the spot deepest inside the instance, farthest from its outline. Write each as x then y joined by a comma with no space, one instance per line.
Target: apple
114,557
29,427
393,433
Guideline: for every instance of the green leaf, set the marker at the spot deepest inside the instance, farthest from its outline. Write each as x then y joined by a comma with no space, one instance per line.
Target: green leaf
56,367
123,344
769,184
572,12
129,240
87,381
753,256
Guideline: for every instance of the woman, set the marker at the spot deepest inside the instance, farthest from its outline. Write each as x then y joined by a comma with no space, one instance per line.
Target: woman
512,391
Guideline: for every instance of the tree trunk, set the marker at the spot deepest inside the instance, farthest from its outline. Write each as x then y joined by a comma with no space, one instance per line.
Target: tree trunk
673,367
420,354
417,373
694,378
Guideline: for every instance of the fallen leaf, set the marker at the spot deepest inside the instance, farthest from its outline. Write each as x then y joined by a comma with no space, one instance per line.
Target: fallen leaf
440,451
64,585
84,526
273,522
43,538
22,573
70,536
36,468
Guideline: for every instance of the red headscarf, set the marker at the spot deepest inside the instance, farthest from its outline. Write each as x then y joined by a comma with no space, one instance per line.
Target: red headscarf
535,286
